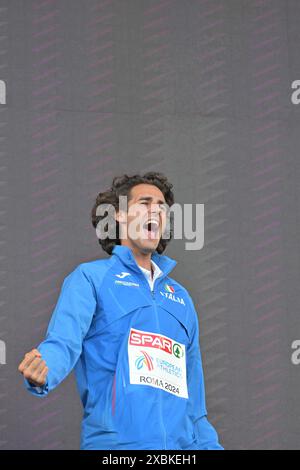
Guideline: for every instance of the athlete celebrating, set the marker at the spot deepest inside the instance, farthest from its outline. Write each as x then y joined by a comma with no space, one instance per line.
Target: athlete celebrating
130,332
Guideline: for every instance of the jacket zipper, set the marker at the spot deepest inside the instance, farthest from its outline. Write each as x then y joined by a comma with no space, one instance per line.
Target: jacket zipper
160,402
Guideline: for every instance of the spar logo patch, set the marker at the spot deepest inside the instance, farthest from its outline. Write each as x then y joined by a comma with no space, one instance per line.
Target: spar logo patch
158,361
150,340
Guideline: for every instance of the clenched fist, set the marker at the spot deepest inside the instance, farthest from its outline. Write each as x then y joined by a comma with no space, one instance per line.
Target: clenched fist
34,368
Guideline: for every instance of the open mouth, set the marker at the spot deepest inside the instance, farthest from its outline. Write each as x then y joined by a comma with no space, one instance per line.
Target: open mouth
151,228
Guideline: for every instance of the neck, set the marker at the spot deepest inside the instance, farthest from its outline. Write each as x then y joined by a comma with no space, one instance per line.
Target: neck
142,259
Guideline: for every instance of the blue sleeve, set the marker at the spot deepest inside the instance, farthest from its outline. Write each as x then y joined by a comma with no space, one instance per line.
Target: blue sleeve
67,328
35,390
205,434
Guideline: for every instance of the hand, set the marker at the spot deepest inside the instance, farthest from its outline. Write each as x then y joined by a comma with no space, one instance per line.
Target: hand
34,368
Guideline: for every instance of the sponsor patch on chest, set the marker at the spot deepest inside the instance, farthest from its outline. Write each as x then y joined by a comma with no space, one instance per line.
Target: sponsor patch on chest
158,361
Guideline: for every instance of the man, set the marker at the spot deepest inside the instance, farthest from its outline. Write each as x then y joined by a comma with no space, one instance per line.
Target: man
131,333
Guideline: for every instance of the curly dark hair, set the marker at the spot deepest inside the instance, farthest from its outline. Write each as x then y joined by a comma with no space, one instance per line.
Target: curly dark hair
121,186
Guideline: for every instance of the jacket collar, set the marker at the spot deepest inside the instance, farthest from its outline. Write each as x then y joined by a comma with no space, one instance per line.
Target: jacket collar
124,253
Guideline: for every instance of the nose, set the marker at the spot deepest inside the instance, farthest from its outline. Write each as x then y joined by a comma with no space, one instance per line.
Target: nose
155,212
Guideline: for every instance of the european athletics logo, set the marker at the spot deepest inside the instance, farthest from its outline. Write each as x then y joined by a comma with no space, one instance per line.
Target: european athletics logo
144,360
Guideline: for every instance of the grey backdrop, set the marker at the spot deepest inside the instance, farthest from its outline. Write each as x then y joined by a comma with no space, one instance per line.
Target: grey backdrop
197,89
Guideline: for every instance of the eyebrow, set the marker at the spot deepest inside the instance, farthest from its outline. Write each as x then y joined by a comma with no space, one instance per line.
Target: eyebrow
150,198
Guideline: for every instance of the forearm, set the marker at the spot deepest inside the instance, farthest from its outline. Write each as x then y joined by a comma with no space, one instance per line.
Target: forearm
68,326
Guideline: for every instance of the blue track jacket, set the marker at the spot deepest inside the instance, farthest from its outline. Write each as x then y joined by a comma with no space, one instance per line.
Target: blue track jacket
135,353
